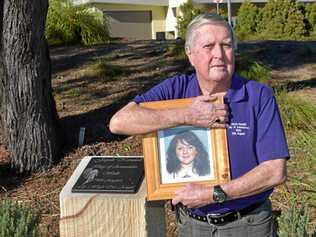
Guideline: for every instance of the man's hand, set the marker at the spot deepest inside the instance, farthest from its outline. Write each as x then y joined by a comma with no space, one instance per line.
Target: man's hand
203,113
194,195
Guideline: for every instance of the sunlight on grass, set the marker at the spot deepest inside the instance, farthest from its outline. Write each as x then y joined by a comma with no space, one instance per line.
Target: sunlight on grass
294,221
296,112
299,118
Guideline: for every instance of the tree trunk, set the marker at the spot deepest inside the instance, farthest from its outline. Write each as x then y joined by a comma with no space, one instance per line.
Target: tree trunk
28,113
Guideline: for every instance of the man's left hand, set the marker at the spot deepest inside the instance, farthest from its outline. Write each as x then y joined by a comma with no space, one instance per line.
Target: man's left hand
194,195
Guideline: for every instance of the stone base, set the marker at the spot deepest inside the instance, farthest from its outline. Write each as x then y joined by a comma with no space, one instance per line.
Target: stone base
121,215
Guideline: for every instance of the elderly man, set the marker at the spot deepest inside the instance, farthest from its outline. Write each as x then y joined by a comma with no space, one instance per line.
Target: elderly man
256,141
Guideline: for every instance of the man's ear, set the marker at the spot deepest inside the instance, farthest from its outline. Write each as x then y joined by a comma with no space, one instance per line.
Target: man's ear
188,52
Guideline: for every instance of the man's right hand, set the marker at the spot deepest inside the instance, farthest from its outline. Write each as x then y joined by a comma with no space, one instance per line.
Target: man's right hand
203,112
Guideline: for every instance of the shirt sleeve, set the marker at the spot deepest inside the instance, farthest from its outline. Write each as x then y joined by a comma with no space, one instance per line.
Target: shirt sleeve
271,141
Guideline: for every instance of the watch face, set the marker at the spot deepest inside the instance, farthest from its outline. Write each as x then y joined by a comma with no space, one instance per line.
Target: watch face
219,195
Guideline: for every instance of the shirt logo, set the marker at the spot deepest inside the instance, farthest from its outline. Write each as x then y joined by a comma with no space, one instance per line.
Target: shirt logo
238,129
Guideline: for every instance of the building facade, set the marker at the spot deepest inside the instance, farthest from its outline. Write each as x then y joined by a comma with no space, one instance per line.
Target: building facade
149,19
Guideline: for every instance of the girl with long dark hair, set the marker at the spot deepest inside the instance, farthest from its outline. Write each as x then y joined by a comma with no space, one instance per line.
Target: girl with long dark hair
187,157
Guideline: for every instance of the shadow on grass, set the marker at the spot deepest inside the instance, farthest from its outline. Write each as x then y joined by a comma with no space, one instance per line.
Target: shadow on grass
72,57
66,58
297,85
279,54
95,123
108,73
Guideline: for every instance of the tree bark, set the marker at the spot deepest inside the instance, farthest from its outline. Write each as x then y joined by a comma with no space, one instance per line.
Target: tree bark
28,113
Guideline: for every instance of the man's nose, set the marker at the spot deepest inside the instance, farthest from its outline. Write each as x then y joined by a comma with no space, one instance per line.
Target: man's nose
217,51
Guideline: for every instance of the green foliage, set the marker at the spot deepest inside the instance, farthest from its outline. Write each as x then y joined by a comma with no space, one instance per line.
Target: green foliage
69,24
103,70
257,72
252,70
302,168
305,144
17,220
189,11
246,20
176,50
281,19
299,119
294,221
310,16
296,113
294,27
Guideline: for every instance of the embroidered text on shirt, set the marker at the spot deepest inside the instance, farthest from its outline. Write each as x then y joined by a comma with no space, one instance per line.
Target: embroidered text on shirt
238,129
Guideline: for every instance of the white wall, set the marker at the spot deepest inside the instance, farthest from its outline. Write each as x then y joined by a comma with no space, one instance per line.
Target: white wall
171,20
176,3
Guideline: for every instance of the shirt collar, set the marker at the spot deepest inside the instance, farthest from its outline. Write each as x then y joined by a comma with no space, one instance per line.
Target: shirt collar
187,171
237,91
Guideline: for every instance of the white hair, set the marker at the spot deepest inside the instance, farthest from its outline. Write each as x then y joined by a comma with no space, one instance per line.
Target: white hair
204,19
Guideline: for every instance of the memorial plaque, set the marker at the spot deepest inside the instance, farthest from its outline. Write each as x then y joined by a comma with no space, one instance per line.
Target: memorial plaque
111,175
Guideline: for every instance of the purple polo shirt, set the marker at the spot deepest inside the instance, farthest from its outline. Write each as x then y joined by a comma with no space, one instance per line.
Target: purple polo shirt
255,133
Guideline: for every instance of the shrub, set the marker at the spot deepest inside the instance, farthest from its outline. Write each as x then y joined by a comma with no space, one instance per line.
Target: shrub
310,16
296,113
69,24
299,118
104,70
17,220
281,19
294,221
246,20
188,12
257,72
176,50
294,27
252,70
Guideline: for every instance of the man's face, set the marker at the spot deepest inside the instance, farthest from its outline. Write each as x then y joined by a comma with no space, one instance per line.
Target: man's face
212,53
185,152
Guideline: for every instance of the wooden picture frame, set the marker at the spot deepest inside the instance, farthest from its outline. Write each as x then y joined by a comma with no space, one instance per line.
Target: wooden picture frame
158,187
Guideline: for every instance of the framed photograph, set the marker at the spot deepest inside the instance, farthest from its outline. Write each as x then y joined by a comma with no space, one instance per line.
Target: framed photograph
185,154
176,156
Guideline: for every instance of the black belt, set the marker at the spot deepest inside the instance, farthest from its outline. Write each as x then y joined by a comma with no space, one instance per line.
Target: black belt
220,219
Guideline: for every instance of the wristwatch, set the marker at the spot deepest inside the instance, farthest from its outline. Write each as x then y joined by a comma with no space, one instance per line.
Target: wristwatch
219,195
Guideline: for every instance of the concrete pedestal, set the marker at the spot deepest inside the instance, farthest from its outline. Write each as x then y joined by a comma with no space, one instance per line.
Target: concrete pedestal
112,215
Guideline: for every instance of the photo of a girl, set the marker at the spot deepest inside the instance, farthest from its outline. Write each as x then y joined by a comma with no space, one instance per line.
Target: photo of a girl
186,158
